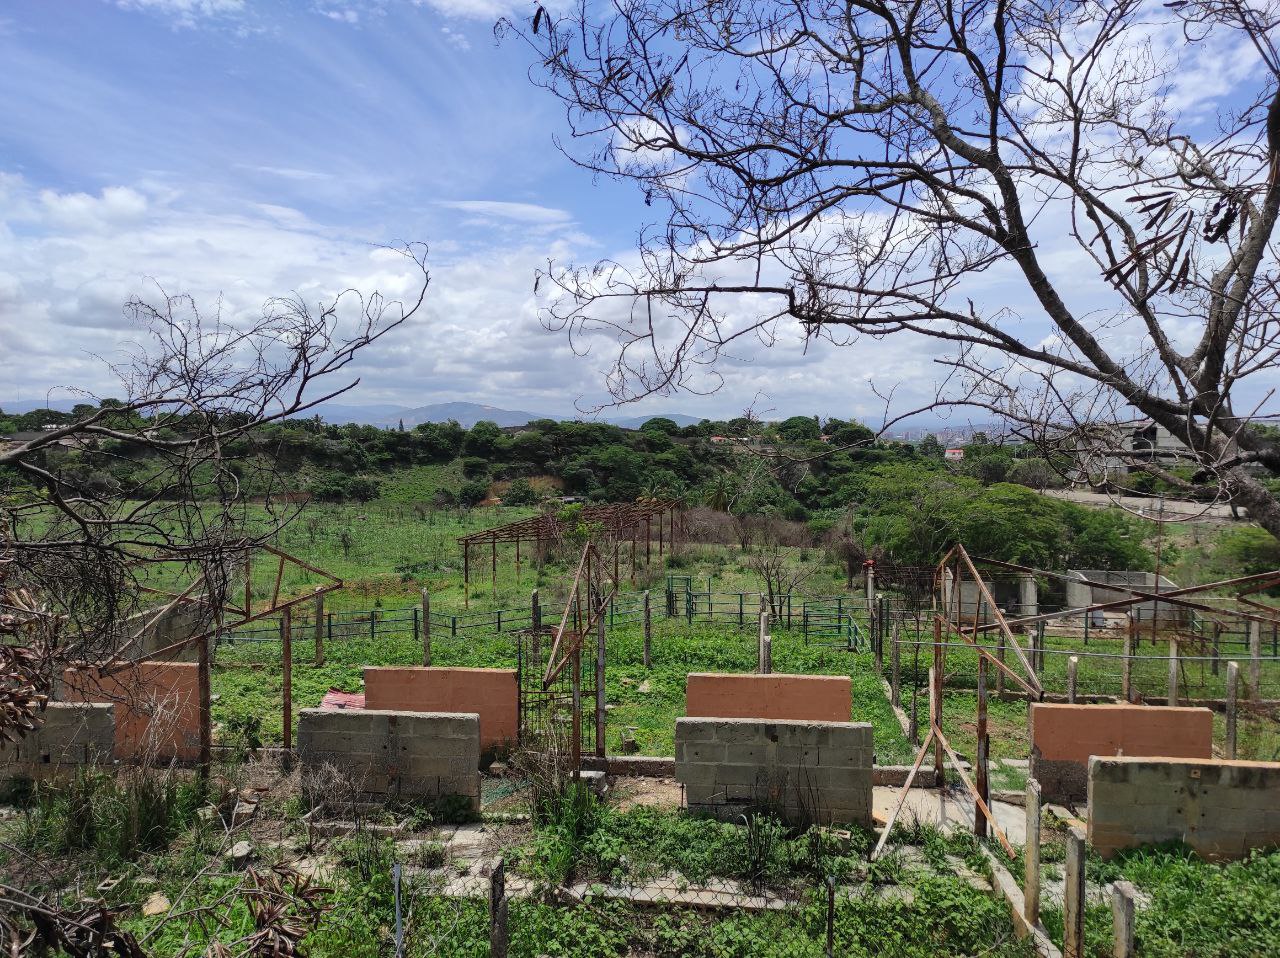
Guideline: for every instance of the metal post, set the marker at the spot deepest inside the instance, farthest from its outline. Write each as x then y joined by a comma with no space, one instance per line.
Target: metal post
1255,659
1073,666
1122,895
895,667
648,632
319,627
286,641
205,694
600,696
1000,654
1073,903
1031,856
575,677
426,628
935,702
982,780
1126,667
1217,651
1233,692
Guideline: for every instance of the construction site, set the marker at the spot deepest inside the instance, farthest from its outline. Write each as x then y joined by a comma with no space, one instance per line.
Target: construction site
957,752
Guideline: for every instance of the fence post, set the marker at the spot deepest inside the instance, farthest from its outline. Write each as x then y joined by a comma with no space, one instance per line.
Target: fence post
935,703
535,611
741,618
1255,659
766,658
1031,856
286,656
600,696
1073,898
319,627
1122,894
982,781
426,628
831,916
1217,631
648,632
498,937
1073,666
1126,668
1233,691
1173,671
788,610
895,667
762,634
1000,654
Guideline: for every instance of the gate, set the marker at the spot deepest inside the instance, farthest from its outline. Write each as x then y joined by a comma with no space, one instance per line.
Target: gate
830,622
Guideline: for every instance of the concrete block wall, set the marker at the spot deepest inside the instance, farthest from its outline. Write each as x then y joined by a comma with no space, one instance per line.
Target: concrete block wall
809,698
1064,737
804,771
157,707
72,734
490,693
1221,809
396,754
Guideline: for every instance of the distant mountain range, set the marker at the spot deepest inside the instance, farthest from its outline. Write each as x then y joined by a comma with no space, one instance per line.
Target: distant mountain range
466,414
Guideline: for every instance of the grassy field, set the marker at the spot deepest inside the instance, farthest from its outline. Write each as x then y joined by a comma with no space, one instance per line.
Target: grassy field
644,702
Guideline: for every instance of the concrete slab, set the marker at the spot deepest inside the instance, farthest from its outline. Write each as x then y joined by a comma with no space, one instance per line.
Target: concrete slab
948,809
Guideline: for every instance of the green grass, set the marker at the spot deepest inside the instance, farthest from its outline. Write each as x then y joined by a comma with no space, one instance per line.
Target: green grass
1196,908
247,679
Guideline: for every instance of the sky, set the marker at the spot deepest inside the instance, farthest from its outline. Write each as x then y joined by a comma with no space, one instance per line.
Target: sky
242,149
237,150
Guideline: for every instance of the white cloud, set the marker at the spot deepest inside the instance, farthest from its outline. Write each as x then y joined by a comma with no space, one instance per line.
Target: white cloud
520,212
186,12
456,38
113,207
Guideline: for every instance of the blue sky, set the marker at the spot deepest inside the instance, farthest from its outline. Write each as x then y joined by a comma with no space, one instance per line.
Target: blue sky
239,150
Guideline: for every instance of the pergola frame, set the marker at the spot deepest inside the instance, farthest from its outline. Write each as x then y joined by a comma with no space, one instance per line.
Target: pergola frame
631,522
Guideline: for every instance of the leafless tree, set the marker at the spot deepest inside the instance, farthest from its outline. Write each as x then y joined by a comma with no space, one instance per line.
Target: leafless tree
780,574
861,168
78,551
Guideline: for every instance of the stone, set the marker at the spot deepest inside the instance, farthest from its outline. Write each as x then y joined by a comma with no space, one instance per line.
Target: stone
157,904
243,813
239,854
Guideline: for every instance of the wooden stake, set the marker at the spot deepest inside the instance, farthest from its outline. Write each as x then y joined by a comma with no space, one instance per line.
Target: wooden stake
1122,895
766,661
1031,856
1073,904
498,935
1073,669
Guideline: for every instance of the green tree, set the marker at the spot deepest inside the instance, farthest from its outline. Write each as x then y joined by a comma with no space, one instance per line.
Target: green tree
799,428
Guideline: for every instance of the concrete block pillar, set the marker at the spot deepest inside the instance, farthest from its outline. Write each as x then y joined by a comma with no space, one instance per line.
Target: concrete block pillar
1028,595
